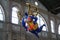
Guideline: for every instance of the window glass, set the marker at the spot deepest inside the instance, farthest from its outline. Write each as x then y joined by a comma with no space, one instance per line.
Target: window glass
1,13
14,15
59,29
41,21
52,26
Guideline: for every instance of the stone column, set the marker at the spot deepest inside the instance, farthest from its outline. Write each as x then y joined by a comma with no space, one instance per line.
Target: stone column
7,25
49,27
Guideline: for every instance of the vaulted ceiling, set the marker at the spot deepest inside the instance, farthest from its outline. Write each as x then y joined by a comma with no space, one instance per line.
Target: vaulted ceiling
52,5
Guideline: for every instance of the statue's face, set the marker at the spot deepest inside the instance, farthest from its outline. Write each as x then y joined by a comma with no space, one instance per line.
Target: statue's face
34,13
31,12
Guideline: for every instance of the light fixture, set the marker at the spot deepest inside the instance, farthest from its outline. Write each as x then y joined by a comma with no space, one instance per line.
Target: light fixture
36,3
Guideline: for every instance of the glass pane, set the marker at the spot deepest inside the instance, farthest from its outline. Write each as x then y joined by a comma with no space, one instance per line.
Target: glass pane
14,20
52,26
59,29
1,17
44,29
1,13
14,15
0,10
40,22
14,9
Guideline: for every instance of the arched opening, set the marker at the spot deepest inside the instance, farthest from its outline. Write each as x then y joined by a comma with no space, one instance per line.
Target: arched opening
2,17
14,15
59,29
41,21
52,26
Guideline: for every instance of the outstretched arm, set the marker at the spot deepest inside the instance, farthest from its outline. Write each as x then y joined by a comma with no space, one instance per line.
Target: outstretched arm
23,24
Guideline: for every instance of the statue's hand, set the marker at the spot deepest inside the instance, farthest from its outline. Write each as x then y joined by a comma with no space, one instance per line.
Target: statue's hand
25,20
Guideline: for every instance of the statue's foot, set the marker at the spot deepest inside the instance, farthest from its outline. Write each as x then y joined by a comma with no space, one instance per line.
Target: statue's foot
44,25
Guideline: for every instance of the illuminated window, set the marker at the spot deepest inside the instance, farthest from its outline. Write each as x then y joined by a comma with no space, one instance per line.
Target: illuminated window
52,26
41,21
36,3
1,13
14,15
59,29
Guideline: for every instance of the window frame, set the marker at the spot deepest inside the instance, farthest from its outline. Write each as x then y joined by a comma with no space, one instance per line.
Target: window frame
44,22
52,26
2,14
59,29
15,16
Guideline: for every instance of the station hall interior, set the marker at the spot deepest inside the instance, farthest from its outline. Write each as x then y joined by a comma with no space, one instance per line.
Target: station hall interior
12,12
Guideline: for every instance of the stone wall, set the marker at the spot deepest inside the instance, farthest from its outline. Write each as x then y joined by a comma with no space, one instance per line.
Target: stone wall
9,31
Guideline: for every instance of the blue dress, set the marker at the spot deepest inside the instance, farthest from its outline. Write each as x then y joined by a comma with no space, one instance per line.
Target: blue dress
35,21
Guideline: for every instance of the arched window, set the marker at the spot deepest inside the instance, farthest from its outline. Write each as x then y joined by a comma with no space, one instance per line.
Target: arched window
1,13
52,26
41,21
59,29
14,15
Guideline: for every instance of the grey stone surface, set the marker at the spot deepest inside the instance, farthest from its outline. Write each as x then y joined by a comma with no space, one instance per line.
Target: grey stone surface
11,31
